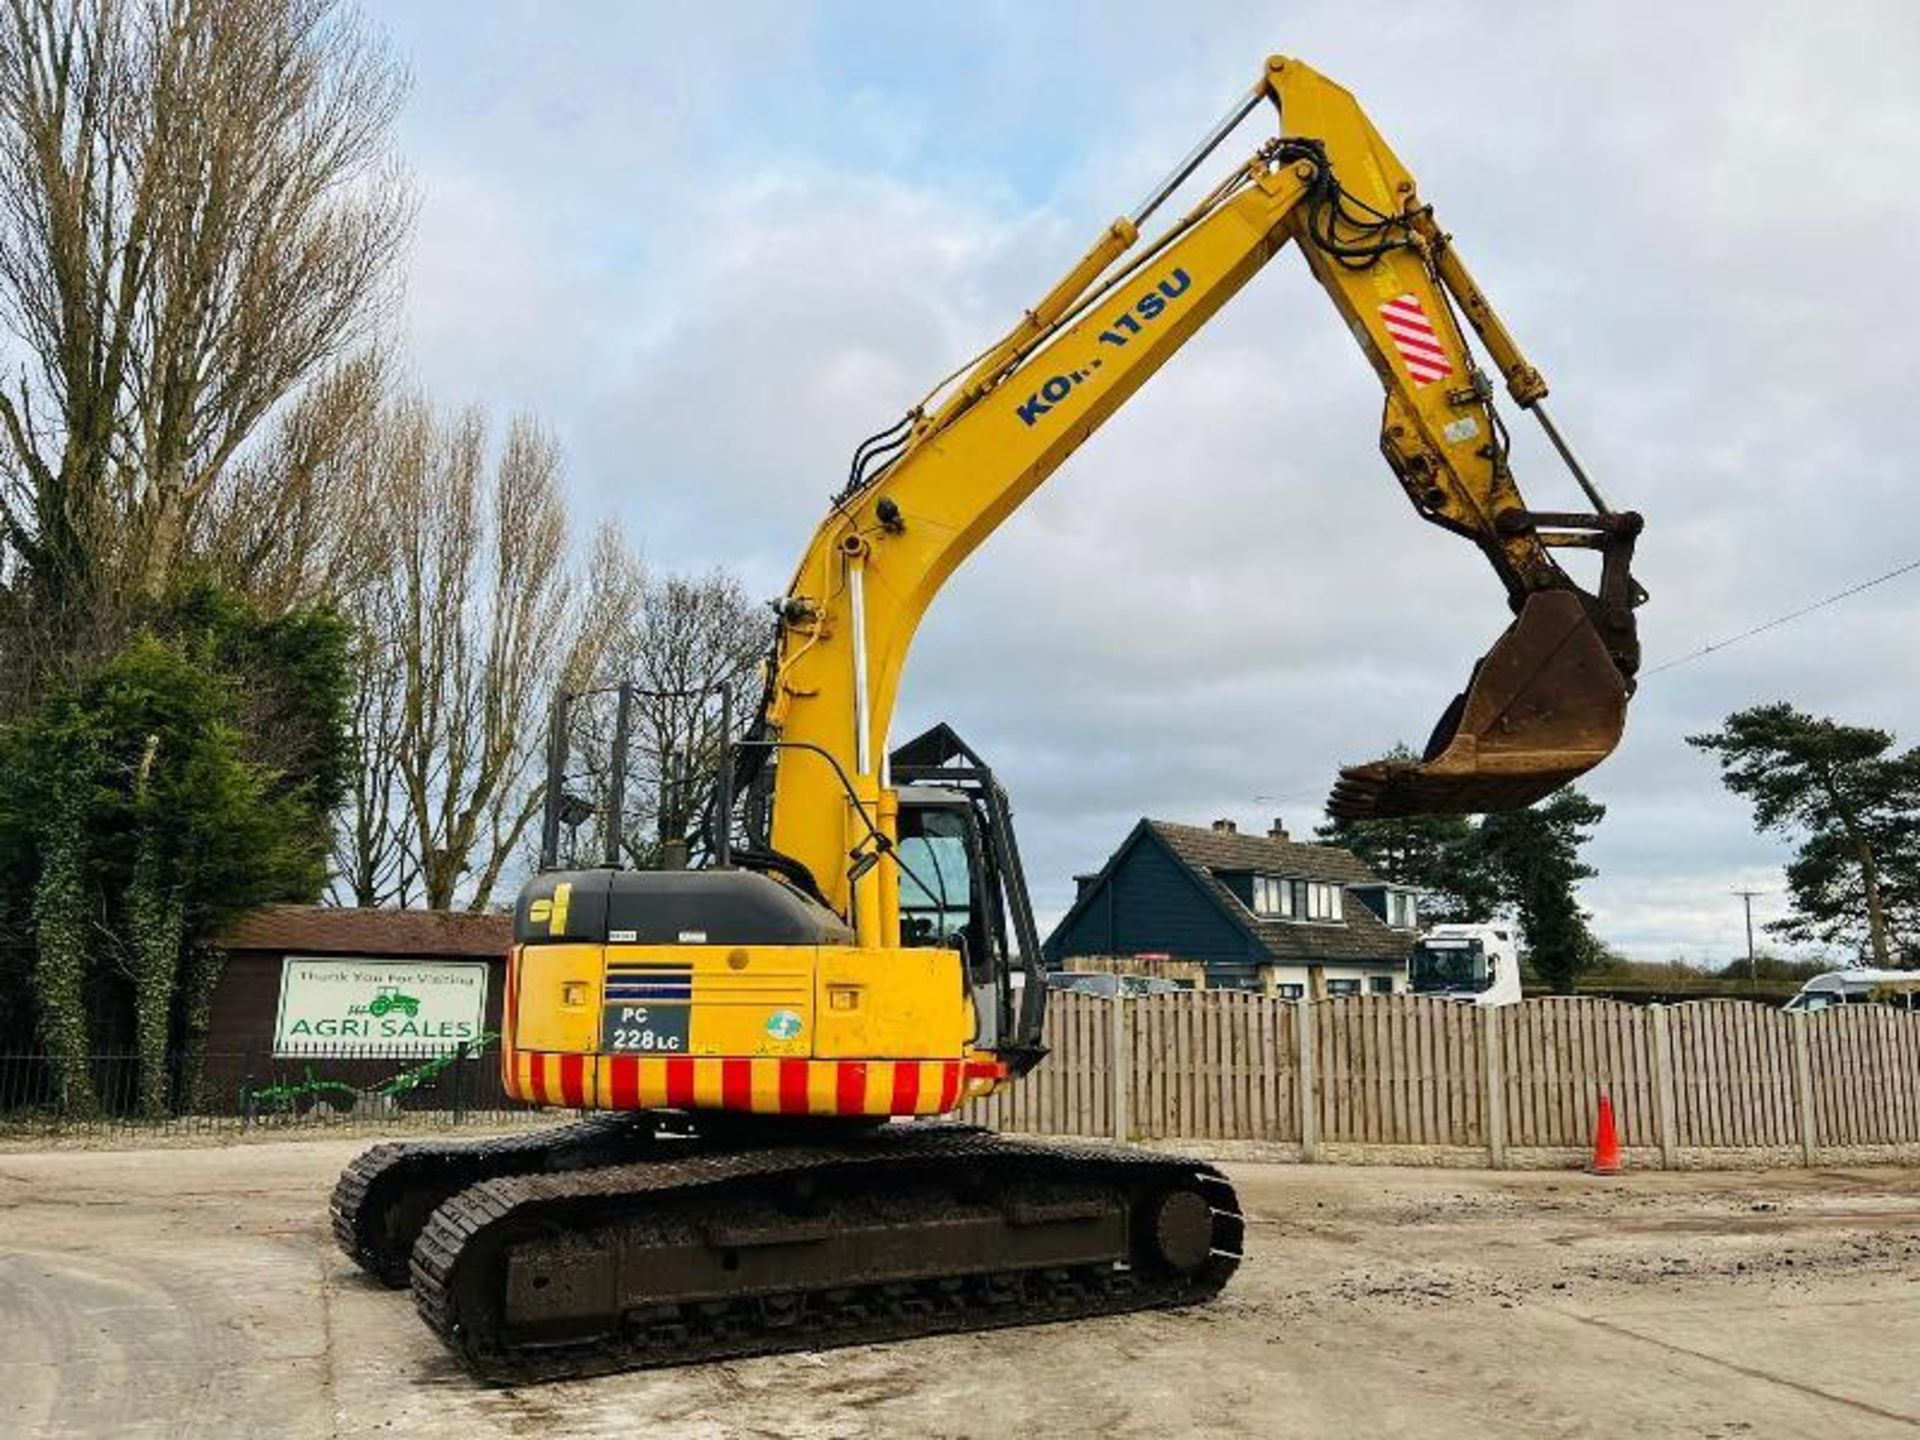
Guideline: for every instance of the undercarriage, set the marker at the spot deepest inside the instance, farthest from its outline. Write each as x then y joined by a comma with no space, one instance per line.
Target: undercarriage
628,1242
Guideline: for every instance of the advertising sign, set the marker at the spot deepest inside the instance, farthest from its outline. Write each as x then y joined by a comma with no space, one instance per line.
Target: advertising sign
378,1007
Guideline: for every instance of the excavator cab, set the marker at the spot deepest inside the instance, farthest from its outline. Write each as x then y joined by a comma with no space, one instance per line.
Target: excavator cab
961,885
959,878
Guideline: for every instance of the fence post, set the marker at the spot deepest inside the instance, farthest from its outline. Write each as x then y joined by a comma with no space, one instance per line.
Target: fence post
1803,1090
1306,1080
1493,1049
1120,1068
1666,1123
460,1085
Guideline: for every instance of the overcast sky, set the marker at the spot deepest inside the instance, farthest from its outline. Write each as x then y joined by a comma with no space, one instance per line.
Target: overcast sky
713,246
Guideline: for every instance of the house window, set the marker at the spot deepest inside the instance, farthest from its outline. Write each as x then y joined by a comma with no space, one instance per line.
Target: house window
1337,988
1403,911
1296,899
1380,984
1272,897
1320,902
1290,992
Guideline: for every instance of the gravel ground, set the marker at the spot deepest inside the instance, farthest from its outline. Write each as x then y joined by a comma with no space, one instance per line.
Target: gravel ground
195,1291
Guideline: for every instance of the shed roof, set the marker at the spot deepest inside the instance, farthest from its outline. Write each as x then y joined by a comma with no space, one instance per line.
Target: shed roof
338,930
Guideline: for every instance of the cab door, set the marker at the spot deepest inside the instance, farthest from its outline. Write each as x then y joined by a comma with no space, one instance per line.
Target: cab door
943,903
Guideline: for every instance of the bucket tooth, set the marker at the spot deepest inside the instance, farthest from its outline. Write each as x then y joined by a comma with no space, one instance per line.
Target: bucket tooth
1545,705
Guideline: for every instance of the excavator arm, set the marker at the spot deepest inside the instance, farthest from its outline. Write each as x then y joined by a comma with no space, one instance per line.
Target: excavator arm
1547,702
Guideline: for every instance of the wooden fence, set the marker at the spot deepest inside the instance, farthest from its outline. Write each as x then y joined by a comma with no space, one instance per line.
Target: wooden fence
1717,1075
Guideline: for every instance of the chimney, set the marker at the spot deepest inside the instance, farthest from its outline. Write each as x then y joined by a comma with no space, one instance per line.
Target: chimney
1278,831
1225,827
1083,883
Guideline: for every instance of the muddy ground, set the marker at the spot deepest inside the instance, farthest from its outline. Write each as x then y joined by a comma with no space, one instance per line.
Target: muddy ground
195,1291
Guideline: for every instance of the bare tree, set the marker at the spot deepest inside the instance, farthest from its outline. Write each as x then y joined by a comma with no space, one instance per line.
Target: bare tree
302,518
685,635
375,861
198,213
695,632
476,610
308,517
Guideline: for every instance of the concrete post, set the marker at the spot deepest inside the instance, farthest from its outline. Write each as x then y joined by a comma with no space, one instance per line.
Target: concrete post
1120,1043
1306,1080
1803,1091
1666,1124
1494,1050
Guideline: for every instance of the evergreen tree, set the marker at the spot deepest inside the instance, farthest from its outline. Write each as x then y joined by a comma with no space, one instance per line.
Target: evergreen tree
187,779
1523,864
1534,857
1434,854
1853,804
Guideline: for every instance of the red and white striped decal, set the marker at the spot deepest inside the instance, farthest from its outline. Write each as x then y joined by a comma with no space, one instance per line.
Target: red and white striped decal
1420,349
767,1085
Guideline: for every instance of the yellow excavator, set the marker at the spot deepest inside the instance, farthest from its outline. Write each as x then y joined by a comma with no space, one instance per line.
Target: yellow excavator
858,948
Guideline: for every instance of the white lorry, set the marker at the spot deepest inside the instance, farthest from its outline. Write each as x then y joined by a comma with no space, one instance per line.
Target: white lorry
1475,964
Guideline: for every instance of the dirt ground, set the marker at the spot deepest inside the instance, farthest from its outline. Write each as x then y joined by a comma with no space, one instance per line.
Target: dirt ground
195,1291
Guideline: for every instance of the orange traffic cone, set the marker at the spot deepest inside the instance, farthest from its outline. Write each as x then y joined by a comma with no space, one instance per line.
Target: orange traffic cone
1606,1141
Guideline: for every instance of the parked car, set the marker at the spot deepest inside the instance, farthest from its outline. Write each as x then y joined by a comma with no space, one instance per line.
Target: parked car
1100,983
1859,987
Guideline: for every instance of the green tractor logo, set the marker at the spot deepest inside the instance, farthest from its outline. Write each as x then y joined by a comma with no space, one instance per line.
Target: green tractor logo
389,998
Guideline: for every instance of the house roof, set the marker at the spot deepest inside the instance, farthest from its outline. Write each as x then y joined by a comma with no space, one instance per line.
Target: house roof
336,930
1207,854
1229,850
1363,937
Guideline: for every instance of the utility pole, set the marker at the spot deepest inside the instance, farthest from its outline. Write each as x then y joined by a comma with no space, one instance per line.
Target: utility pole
1747,897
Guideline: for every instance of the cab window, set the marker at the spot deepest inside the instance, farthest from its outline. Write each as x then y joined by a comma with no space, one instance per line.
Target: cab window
936,877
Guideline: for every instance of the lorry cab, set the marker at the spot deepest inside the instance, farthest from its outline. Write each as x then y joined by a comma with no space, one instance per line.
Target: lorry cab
1474,964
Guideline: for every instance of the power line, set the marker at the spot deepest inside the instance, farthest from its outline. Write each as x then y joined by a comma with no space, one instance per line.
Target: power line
1703,651
1786,619
1317,790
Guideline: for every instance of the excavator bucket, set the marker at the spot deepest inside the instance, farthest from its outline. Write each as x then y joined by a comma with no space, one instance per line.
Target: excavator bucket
1546,704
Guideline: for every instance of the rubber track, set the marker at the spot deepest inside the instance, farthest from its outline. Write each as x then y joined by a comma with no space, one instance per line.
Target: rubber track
447,1164
837,1316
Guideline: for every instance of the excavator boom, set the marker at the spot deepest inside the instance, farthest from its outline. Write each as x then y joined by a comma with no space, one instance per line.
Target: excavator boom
1545,705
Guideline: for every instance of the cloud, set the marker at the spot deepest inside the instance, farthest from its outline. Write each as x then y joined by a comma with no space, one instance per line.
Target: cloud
717,259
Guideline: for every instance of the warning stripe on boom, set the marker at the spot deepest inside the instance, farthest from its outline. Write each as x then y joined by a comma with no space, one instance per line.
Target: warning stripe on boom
1414,338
